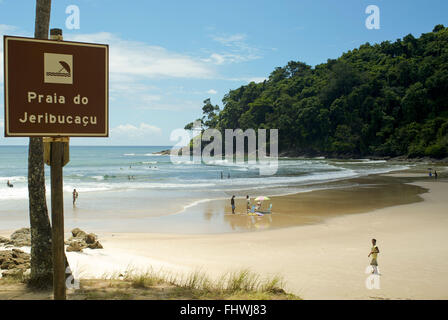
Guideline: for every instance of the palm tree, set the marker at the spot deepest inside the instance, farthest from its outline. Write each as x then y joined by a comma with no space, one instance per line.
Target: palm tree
41,250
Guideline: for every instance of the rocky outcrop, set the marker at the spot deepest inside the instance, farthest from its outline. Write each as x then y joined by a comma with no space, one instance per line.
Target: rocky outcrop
14,262
168,152
4,241
77,242
81,240
75,246
21,238
78,233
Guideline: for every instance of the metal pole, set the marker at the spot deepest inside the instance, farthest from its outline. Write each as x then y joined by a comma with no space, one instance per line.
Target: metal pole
57,208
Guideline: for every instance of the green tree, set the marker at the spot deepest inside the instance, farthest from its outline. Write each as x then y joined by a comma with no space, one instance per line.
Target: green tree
210,113
41,250
386,99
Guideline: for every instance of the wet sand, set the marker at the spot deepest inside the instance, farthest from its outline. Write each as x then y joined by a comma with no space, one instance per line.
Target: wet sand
345,197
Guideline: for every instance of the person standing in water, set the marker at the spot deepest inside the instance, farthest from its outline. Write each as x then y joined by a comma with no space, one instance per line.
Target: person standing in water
374,253
232,203
75,196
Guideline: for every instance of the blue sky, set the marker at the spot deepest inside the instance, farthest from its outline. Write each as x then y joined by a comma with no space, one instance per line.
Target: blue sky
166,57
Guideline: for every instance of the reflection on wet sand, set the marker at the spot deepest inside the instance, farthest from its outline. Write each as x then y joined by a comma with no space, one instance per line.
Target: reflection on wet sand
245,222
371,193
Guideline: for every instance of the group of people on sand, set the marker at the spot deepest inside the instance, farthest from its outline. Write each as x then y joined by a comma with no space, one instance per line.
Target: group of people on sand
248,204
435,174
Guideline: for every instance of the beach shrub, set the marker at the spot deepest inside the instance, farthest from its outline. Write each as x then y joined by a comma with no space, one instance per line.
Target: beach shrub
437,151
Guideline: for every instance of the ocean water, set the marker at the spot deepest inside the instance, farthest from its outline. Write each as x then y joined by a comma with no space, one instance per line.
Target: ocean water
116,183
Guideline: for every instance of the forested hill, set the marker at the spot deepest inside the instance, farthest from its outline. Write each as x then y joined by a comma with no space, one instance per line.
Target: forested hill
388,99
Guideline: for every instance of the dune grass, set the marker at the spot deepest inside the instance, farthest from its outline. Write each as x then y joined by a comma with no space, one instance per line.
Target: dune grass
163,285
242,284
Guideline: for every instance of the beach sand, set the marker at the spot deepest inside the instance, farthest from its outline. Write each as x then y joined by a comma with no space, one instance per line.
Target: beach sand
322,256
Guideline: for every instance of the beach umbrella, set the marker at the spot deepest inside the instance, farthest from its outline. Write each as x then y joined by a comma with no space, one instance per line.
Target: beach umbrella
64,66
261,198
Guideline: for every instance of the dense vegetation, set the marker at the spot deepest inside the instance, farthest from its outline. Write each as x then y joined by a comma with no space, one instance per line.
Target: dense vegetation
388,99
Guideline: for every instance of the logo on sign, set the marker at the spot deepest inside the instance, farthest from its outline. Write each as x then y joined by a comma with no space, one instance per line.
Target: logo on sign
58,68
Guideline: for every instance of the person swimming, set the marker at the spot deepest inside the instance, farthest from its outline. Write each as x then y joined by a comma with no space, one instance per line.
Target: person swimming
75,197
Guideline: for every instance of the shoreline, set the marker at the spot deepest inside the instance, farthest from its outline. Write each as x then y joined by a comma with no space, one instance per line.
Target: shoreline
213,216
291,154
102,215
318,193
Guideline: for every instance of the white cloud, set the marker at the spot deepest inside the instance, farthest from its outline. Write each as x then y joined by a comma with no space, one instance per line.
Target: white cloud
230,40
125,135
150,98
131,131
217,58
176,105
257,79
247,79
129,134
4,30
212,91
139,59
130,87
9,141
237,50
133,64
227,58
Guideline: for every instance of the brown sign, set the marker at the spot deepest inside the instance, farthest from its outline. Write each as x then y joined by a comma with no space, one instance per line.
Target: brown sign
55,88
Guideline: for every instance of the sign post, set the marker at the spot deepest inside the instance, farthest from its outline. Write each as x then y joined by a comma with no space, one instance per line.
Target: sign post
56,90
57,206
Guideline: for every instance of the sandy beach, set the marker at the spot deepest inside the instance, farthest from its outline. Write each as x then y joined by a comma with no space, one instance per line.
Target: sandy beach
324,258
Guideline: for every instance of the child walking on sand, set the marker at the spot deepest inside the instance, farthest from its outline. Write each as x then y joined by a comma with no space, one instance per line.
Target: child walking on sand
374,253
